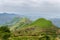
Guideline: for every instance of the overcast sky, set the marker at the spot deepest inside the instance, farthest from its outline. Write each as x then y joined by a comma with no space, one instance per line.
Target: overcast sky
33,8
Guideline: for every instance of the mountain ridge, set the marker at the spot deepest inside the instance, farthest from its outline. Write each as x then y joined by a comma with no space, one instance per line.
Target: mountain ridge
6,18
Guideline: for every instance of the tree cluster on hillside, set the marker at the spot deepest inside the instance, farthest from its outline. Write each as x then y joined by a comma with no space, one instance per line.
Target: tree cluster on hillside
4,33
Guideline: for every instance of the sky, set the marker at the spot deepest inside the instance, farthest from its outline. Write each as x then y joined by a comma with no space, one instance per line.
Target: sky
32,8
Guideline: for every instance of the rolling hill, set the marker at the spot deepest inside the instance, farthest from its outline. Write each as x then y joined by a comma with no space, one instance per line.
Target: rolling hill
37,27
42,22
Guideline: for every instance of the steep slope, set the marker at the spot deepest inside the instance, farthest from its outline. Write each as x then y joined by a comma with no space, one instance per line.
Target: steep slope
23,22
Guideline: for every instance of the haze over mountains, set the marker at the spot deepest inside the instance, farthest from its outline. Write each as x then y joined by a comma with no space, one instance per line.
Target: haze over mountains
56,21
6,18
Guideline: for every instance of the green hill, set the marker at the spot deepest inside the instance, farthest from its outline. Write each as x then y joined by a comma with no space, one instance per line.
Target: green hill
22,22
43,23
36,28
24,28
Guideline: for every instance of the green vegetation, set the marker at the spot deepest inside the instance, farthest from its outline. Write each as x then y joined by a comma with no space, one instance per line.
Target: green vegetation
4,33
42,23
25,29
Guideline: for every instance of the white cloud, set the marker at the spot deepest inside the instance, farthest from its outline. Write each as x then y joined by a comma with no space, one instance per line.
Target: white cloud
30,2
45,8
30,6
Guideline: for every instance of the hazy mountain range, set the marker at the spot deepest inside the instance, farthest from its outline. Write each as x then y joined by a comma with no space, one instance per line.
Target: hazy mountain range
22,26
6,18
56,21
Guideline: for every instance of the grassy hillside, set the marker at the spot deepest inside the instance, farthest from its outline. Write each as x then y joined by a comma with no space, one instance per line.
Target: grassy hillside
21,23
41,22
25,29
36,28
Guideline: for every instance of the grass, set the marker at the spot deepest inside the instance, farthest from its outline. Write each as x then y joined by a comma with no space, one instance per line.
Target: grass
25,38
43,23
30,38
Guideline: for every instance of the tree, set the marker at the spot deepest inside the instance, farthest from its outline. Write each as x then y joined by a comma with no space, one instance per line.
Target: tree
4,32
45,37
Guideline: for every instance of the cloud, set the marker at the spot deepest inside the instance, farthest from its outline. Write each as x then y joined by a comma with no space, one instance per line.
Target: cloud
32,7
41,5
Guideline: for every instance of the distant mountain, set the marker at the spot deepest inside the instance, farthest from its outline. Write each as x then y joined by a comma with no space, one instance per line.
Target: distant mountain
56,21
6,18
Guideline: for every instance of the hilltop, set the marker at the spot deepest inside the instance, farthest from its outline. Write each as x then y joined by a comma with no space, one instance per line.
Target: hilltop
36,28
41,22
